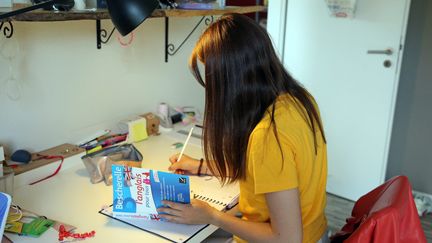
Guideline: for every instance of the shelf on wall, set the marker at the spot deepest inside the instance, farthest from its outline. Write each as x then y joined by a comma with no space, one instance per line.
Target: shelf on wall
99,14
102,36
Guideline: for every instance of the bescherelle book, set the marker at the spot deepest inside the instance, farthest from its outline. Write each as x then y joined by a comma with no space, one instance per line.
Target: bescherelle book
159,185
138,192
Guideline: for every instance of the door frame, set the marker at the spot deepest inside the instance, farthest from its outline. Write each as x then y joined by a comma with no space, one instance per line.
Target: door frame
278,9
396,87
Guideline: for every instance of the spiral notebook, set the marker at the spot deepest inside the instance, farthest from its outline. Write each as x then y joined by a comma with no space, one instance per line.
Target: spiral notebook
205,188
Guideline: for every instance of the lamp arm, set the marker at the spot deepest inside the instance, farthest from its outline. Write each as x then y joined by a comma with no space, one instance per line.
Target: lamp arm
28,9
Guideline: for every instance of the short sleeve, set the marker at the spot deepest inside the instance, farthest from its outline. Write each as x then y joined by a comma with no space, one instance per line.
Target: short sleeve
271,170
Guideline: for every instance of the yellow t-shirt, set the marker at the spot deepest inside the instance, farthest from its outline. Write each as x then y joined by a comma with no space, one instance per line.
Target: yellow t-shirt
300,168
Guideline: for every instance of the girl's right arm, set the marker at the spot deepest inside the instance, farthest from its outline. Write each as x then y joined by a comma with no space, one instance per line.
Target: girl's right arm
188,165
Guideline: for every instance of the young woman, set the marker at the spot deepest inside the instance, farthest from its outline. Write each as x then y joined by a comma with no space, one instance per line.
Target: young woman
262,129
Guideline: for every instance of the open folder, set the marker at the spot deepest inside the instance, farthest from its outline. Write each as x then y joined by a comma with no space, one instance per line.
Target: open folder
5,202
206,188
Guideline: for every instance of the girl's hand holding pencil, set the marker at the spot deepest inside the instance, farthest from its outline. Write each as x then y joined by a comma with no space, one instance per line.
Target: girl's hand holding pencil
179,171
186,164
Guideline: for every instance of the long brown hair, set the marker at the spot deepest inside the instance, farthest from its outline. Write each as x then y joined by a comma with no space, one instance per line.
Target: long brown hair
243,78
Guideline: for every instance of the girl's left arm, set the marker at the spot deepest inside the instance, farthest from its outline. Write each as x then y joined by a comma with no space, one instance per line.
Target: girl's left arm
285,213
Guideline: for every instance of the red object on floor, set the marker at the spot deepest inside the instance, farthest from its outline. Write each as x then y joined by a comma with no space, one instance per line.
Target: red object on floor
386,214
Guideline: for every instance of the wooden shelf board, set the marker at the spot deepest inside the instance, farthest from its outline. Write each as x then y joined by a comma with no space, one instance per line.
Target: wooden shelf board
45,16
66,150
190,13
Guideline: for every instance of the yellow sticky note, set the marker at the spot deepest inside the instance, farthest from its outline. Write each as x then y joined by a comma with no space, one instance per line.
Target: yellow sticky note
138,130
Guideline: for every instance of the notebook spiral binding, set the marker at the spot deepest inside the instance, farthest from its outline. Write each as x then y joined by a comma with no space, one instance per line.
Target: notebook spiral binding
210,200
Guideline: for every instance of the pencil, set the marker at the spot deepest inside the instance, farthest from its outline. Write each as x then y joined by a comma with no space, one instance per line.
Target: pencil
185,144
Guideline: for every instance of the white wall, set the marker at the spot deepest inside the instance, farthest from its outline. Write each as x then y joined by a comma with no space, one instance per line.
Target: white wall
277,9
69,88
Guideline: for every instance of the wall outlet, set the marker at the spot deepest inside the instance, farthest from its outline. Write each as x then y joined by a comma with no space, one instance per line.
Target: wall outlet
5,3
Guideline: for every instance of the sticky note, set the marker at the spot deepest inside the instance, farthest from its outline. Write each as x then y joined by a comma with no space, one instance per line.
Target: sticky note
138,130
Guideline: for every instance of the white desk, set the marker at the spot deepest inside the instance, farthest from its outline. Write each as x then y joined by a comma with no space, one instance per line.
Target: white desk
69,196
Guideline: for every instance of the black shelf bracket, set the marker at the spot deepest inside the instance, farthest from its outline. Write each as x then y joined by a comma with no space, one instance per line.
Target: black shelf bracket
170,49
7,29
102,35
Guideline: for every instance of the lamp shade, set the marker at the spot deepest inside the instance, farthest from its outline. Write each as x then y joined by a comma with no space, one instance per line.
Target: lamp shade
126,15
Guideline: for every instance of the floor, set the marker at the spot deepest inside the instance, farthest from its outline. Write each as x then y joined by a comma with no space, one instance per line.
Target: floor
338,209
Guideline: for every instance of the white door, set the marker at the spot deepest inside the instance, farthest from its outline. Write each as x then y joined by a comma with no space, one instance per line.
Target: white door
356,91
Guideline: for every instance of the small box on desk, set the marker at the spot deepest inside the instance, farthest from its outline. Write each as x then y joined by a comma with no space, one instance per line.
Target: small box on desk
152,123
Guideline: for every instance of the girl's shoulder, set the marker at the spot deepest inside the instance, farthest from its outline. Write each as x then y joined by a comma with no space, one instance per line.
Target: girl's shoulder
288,112
289,119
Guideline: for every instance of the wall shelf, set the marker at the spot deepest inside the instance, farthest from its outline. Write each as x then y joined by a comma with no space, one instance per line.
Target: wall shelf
99,14
102,36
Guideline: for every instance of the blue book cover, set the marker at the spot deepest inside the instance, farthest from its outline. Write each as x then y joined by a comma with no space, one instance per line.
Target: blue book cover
138,192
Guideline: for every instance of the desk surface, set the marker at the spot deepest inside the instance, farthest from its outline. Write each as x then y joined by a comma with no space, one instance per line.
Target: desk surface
69,196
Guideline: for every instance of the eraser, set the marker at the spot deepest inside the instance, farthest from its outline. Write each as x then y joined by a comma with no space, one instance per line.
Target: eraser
176,145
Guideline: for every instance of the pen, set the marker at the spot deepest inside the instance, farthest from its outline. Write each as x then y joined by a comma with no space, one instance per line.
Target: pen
183,149
93,137
185,144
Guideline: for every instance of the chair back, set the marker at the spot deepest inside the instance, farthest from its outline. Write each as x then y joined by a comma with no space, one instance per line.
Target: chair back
386,214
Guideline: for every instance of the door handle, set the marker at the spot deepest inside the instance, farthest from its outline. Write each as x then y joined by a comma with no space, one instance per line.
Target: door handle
388,52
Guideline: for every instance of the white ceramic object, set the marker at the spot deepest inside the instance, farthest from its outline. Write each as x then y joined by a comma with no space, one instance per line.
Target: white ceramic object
80,5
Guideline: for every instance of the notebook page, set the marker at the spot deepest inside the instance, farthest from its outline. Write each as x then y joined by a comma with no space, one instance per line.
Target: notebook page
210,190
170,231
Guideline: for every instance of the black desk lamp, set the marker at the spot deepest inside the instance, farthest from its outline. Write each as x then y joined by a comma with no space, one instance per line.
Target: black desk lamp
126,15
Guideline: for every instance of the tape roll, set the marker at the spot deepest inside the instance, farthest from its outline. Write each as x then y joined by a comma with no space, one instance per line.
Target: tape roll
163,110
